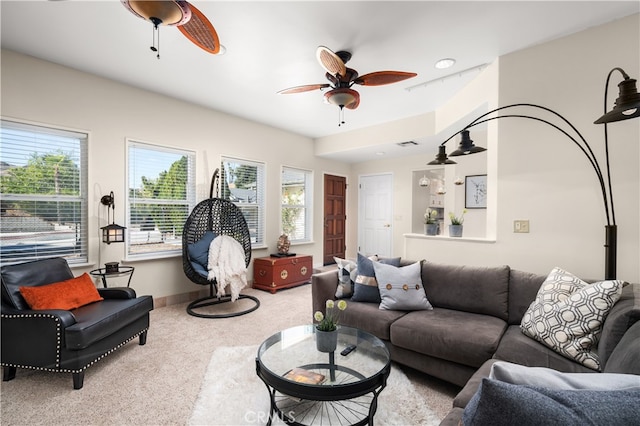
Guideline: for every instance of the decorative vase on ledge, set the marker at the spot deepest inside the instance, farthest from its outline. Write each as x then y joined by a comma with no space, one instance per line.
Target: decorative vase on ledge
326,341
455,230
431,228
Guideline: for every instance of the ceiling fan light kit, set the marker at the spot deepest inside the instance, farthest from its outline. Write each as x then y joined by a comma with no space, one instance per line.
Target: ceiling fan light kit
342,78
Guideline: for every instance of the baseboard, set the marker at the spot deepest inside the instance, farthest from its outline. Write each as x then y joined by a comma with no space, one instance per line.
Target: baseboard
176,299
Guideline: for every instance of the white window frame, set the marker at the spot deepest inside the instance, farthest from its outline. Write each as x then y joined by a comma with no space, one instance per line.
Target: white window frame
257,225
306,234
161,244
39,138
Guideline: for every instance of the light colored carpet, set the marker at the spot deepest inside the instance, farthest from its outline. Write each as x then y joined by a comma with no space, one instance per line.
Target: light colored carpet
158,384
232,394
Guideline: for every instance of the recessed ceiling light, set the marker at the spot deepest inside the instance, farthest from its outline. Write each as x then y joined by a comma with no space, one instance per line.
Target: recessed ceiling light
380,153
445,63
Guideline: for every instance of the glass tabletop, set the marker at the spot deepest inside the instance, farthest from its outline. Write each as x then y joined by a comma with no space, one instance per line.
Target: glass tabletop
296,347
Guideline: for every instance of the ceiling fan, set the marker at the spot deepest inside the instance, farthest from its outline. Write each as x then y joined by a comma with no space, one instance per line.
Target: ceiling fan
189,20
342,78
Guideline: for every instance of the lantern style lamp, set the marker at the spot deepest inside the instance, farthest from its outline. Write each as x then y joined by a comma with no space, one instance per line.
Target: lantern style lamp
112,233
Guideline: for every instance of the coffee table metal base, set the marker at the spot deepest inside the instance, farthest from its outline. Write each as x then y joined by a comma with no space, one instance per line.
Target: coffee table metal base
347,404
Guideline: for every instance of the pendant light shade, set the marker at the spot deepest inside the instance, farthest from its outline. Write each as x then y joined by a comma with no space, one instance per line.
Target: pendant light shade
342,97
441,158
627,105
466,146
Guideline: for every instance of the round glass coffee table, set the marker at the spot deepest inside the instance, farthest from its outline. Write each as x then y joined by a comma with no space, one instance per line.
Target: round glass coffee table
336,389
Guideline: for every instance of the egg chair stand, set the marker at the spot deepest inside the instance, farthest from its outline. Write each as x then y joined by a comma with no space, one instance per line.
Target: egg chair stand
221,217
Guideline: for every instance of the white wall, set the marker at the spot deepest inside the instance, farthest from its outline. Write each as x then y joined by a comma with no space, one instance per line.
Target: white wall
46,93
535,172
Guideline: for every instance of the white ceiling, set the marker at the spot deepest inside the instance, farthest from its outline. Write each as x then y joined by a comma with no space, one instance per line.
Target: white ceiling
271,46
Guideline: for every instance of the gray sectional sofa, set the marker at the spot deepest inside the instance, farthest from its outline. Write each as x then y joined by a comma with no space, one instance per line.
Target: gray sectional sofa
475,321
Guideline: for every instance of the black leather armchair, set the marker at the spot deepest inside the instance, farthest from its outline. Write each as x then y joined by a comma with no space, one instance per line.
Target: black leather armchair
65,341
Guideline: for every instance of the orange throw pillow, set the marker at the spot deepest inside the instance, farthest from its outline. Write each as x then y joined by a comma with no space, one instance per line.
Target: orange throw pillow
66,295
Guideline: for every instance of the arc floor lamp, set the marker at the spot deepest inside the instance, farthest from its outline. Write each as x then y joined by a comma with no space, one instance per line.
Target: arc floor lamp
627,106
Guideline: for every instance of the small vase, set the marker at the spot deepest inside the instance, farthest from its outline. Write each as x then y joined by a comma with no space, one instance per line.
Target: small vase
431,228
326,341
455,230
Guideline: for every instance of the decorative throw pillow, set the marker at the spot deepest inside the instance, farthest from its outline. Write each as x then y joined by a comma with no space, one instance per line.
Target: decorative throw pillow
543,377
199,251
66,295
365,288
347,272
497,403
567,315
401,288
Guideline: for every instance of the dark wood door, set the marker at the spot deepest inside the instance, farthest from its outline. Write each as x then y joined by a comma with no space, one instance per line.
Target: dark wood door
335,217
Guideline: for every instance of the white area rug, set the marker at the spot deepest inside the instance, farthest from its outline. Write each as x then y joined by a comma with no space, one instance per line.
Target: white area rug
232,394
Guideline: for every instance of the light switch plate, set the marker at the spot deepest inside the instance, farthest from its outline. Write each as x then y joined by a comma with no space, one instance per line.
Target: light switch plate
521,226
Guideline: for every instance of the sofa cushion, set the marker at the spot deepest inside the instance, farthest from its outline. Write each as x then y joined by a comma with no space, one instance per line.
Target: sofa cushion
366,287
347,272
622,316
523,287
625,358
99,320
568,313
461,337
369,317
64,295
39,272
199,251
498,403
480,290
401,287
521,349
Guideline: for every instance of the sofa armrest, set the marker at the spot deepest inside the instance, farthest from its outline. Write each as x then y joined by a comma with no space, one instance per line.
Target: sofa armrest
117,293
323,288
33,338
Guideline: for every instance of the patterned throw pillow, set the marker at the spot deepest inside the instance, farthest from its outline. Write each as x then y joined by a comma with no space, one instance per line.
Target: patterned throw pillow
365,288
347,272
568,313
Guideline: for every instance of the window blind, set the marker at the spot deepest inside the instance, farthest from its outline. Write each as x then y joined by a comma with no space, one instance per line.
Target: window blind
243,182
160,198
43,183
296,203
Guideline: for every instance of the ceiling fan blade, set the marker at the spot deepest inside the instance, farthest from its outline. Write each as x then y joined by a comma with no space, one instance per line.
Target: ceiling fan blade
305,88
380,78
330,61
200,31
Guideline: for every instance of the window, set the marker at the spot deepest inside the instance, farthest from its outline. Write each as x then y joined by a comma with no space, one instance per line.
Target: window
243,183
296,203
43,182
161,196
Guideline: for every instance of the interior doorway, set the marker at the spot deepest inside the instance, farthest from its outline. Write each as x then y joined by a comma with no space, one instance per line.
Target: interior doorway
375,214
335,217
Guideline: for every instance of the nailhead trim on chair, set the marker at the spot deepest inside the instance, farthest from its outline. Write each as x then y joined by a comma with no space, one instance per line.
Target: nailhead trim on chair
59,339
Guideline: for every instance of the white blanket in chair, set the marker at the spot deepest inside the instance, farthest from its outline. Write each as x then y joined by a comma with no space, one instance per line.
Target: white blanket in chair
227,265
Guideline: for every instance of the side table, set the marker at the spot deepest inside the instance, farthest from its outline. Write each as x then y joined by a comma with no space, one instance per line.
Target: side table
121,272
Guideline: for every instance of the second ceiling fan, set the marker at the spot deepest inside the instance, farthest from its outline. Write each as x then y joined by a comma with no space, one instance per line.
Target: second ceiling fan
341,79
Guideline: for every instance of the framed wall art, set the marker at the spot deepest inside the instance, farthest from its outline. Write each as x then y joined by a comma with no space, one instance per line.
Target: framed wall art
475,192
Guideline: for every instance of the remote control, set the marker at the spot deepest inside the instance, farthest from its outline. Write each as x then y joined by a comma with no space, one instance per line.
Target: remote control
346,351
